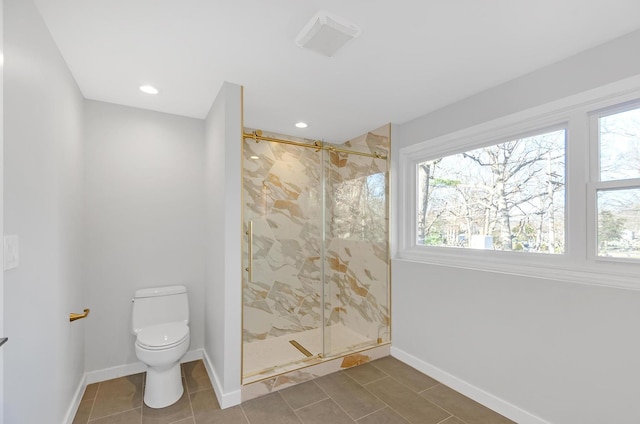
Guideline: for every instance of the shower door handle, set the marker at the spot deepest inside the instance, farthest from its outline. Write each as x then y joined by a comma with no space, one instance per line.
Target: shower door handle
249,269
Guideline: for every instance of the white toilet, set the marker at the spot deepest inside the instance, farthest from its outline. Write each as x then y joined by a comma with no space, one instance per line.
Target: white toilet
160,324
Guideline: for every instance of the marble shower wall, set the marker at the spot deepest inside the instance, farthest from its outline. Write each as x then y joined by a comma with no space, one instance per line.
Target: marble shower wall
282,196
282,192
357,248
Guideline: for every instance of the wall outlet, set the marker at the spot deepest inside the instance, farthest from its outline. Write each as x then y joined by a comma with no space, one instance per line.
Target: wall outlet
11,252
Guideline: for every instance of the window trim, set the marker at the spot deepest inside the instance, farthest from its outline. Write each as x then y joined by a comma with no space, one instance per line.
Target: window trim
579,262
595,183
592,199
562,126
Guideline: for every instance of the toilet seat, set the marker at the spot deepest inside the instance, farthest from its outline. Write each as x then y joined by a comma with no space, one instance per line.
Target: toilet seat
164,336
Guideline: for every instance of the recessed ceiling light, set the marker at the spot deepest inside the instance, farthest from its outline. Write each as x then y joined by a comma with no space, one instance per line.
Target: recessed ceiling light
254,157
149,89
301,125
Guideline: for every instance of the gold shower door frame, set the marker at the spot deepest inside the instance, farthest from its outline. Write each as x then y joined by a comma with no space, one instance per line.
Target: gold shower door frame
258,155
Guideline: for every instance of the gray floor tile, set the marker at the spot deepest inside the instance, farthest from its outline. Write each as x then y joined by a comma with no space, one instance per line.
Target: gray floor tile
365,373
185,421
84,410
406,375
269,409
128,417
206,410
468,410
172,413
196,375
384,416
350,395
303,394
233,415
452,420
323,412
203,402
410,405
381,392
90,391
117,395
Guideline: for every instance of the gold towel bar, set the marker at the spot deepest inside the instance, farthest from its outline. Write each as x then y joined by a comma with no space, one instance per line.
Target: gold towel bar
74,316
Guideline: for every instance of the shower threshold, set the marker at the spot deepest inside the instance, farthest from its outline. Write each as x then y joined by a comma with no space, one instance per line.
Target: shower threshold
311,369
266,358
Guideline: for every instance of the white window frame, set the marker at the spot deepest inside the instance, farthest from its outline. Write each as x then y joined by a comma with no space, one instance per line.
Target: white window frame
453,151
579,262
596,184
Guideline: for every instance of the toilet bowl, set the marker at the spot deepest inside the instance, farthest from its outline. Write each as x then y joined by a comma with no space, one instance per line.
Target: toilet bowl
160,318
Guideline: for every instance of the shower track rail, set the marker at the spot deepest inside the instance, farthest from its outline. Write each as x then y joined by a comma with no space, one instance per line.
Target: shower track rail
318,145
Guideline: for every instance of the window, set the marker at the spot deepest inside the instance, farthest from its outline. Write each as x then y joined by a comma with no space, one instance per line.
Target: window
548,192
618,184
508,196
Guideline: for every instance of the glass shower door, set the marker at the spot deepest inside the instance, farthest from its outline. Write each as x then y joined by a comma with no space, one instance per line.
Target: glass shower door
356,277
316,278
282,284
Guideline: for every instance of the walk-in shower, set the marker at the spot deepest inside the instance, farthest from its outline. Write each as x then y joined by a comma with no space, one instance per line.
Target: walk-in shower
316,253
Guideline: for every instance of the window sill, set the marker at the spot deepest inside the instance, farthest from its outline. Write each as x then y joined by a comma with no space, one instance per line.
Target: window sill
550,267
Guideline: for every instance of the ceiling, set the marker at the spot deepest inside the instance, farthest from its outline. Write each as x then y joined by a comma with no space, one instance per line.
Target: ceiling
413,56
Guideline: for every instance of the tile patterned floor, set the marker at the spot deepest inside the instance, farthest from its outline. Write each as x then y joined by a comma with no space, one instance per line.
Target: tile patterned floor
385,391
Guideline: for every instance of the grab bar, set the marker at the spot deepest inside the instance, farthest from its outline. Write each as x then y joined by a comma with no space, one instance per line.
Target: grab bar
73,316
249,269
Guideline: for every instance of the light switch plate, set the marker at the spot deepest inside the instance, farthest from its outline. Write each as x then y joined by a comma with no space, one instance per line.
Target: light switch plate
11,252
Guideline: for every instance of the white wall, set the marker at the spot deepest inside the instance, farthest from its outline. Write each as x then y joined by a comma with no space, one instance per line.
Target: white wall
539,350
144,224
592,68
44,358
566,353
1,209
223,287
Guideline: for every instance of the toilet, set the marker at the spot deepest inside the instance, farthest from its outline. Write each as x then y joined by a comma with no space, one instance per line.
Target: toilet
160,323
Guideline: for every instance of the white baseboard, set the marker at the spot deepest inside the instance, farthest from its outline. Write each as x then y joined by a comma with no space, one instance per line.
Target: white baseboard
114,372
226,400
75,404
133,368
499,405
192,355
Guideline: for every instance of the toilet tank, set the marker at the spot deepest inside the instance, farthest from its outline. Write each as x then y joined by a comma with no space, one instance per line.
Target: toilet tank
159,305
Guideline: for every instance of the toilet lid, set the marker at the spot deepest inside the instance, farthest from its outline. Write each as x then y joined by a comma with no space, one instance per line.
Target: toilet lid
163,336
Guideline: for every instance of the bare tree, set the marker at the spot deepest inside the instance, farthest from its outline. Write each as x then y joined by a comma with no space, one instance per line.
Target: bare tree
427,170
493,185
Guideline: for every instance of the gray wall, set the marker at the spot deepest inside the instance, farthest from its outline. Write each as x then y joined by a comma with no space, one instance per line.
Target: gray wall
44,358
592,68
564,352
1,210
144,222
223,296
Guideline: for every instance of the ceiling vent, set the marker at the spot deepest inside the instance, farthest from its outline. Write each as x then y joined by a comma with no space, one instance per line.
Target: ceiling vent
325,34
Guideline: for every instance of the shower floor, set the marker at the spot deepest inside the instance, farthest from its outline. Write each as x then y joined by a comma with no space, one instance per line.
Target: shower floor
275,355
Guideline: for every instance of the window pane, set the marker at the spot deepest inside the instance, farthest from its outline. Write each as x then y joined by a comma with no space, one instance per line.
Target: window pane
510,196
620,145
619,223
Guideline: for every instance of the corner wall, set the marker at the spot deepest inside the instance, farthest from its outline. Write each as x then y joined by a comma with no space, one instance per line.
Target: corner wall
1,207
144,222
536,350
43,168
223,285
